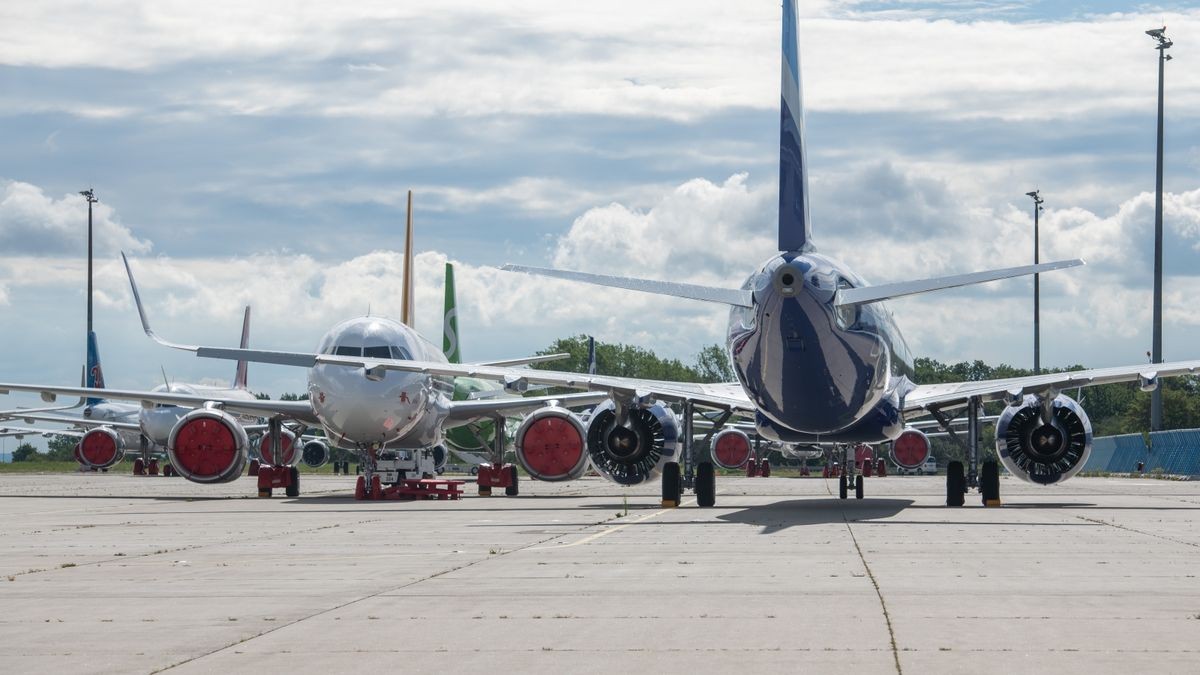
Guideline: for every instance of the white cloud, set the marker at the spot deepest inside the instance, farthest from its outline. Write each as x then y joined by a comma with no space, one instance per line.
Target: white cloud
30,221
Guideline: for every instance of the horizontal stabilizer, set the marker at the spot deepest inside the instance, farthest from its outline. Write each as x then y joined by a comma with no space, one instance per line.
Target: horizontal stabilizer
726,296
868,294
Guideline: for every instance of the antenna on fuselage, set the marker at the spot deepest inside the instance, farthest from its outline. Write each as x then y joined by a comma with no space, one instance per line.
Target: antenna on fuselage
406,306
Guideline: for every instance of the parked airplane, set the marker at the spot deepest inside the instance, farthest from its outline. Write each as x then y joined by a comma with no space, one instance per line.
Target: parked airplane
817,355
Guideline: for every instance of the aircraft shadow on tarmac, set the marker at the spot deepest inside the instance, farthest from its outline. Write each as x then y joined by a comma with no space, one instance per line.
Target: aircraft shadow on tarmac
780,516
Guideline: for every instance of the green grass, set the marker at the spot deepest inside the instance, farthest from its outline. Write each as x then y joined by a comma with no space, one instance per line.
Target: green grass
39,466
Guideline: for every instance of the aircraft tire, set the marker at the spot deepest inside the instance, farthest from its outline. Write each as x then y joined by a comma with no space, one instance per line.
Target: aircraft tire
513,489
956,484
989,482
843,488
858,487
672,488
706,484
293,490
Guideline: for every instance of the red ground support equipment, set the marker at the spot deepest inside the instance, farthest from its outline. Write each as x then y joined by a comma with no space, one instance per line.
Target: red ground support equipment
881,468
868,467
270,477
495,477
152,467
751,468
764,468
825,471
423,488
804,471
139,467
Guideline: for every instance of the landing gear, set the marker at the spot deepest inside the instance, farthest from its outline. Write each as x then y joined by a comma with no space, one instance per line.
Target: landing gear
376,487
989,483
511,490
706,484
956,484
672,485
858,487
293,489
843,490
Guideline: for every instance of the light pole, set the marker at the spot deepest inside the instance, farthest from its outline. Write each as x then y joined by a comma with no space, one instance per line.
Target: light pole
1156,411
1037,287
90,195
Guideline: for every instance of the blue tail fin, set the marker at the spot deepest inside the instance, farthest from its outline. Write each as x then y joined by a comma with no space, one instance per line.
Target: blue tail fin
95,374
794,233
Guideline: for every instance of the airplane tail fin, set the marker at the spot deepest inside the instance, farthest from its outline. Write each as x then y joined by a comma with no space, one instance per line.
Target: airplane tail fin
591,355
239,377
794,229
406,306
450,321
95,373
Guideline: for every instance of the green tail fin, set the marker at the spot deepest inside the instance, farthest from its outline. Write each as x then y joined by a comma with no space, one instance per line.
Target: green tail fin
450,321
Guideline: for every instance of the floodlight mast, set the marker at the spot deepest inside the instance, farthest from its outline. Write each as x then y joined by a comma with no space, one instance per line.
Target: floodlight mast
1156,411
90,195
1037,289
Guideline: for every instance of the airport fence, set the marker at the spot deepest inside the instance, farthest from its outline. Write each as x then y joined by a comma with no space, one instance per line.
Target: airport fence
1174,452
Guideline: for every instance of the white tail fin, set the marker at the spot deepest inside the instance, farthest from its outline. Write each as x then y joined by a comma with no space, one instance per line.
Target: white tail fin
239,377
406,306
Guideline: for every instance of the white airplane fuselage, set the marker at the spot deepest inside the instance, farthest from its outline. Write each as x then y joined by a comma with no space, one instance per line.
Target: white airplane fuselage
360,408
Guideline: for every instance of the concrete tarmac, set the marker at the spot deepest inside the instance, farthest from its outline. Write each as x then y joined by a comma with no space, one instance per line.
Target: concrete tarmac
121,574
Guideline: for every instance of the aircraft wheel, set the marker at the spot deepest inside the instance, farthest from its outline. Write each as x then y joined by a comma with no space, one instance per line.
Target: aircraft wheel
956,484
293,490
706,484
843,489
671,485
858,487
360,488
512,490
989,482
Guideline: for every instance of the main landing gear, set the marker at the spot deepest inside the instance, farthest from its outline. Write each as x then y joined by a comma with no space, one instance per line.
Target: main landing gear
274,476
960,479
856,461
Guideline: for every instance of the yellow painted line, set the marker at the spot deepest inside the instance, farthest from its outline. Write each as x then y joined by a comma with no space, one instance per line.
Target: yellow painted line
607,531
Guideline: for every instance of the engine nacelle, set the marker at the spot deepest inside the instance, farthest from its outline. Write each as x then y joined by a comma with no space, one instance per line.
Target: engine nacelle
315,454
1044,453
550,445
636,452
208,446
100,448
440,457
910,449
287,439
731,449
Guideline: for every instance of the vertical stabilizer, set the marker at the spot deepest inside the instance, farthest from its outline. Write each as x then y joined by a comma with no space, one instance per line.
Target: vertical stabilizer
450,321
239,376
95,374
794,230
591,355
406,306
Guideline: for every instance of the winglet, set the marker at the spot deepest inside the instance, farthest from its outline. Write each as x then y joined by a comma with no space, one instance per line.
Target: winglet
137,299
239,377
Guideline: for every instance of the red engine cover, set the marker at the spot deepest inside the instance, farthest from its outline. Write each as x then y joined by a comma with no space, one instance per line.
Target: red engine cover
731,449
910,449
287,439
550,445
100,448
208,446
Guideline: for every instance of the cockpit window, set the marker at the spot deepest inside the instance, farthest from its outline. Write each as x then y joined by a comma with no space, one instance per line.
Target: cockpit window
343,350
377,352
400,353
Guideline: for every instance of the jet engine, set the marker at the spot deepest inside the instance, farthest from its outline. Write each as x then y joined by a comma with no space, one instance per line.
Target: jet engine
314,454
100,448
1044,451
910,449
287,439
731,449
635,452
440,457
550,445
208,446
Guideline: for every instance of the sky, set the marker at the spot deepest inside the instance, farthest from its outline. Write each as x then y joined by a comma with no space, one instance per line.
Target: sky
260,153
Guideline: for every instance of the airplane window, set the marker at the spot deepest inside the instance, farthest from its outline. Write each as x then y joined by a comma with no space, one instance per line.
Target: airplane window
400,353
343,350
377,352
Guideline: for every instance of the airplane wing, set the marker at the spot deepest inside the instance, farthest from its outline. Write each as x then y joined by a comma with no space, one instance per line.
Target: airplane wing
29,431
77,421
297,410
954,394
465,412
